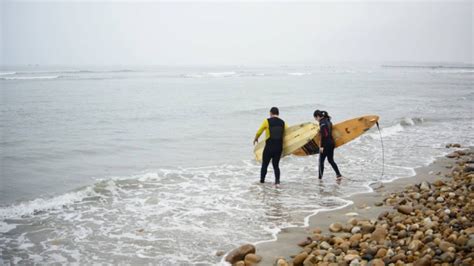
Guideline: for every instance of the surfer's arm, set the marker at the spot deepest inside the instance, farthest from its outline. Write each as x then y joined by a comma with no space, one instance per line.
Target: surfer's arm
262,128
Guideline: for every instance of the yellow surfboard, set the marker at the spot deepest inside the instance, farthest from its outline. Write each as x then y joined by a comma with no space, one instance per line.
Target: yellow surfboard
342,133
293,139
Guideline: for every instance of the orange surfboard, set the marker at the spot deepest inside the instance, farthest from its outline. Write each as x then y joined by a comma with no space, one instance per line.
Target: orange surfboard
342,133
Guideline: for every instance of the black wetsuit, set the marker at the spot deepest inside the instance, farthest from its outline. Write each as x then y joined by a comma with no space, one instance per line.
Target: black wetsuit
273,148
327,142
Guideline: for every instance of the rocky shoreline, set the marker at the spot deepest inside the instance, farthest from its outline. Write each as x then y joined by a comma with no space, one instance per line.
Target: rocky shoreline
427,223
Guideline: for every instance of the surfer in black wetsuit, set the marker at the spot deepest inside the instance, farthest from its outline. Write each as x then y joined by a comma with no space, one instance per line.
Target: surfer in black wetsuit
327,142
274,128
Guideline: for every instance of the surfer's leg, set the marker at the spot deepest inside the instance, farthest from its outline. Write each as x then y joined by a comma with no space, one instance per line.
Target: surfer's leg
276,167
322,157
330,154
265,162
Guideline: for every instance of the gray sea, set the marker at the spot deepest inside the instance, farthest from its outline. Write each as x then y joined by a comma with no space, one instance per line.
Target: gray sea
140,165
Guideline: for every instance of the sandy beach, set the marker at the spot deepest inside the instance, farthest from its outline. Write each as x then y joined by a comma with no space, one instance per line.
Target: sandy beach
304,246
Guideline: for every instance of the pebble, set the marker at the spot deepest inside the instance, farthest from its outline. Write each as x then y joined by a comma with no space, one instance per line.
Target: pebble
299,259
377,262
379,234
239,253
351,257
305,242
335,227
425,186
282,262
405,209
352,214
325,245
355,230
252,259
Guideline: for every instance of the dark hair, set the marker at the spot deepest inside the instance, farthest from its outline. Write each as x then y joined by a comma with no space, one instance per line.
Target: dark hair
274,111
321,114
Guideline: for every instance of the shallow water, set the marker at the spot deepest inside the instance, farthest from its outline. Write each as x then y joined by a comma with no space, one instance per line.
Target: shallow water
154,165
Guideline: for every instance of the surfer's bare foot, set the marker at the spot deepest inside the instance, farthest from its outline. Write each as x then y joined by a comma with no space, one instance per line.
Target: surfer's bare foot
277,185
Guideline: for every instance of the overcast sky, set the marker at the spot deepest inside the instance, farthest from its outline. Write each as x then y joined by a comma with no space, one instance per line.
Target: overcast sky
154,33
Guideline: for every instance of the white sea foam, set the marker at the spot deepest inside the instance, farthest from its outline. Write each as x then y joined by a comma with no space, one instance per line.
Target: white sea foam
5,227
221,74
7,73
299,73
193,76
42,204
453,71
29,77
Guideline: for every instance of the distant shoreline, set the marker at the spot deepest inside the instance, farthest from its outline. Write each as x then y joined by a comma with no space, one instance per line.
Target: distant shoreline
431,67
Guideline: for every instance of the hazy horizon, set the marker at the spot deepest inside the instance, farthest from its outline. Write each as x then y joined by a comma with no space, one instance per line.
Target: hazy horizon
230,34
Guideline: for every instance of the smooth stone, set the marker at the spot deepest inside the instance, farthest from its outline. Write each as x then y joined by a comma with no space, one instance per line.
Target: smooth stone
425,261
299,259
351,257
376,262
366,227
305,242
415,245
252,259
405,209
379,234
382,215
390,252
428,223
352,214
335,227
311,260
367,257
355,262
239,253
398,257
452,155
356,229
282,262
352,221
330,257
461,241
325,245
445,246
447,257
425,186
317,230
381,253
470,243
355,237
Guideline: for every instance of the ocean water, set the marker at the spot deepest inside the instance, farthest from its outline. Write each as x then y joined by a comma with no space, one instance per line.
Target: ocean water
154,164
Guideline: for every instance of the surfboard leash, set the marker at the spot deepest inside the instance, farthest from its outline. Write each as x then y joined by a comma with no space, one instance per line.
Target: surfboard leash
383,152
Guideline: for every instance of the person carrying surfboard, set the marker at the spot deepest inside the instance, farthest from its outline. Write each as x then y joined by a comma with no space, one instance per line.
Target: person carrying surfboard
327,143
274,128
